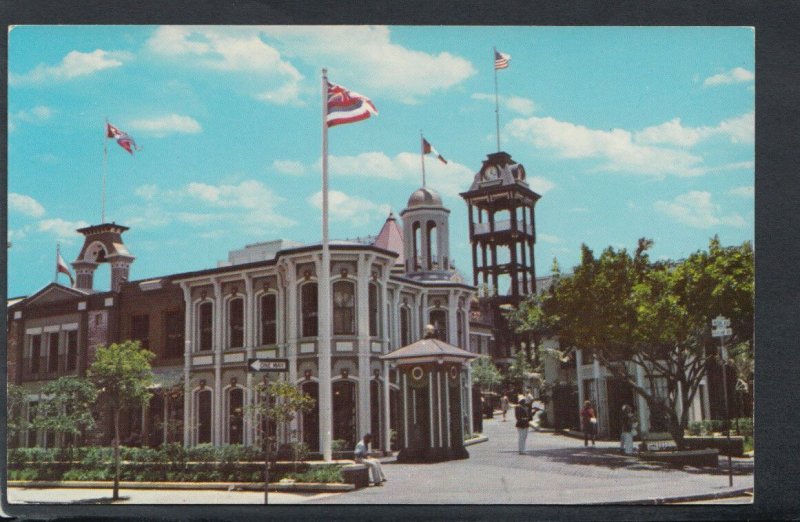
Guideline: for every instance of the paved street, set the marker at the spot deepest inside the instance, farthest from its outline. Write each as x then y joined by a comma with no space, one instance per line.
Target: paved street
556,470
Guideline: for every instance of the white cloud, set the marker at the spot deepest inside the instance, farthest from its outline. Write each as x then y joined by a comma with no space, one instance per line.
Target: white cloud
615,147
539,184
740,129
289,167
167,124
448,180
518,104
735,75
365,59
547,238
62,229
353,209
696,209
253,203
37,114
25,205
74,64
747,191
147,192
233,50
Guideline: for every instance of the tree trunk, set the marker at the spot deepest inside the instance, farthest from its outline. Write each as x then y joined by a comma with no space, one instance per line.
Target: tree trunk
116,455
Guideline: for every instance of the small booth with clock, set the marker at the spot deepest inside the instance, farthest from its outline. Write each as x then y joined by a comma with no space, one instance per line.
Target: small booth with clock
431,406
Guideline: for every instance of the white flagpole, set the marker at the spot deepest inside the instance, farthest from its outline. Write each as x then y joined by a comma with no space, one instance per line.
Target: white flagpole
496,102
325,389
105,171
422,156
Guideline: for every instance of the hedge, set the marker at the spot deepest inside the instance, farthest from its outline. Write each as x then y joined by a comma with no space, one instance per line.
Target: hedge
707,427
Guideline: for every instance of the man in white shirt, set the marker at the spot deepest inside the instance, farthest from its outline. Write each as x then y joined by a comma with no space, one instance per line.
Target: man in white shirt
360,456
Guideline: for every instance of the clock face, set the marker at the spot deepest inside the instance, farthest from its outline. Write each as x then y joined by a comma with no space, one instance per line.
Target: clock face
490,173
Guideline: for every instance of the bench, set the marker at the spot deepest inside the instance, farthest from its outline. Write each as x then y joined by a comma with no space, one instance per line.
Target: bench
657,441
356,474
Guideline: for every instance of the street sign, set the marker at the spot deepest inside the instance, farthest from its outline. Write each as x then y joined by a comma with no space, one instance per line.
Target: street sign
721,332
268,365
720,322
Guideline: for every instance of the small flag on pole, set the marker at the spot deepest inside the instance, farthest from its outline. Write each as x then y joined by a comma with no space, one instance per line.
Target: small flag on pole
347,106
123,139
61,267
427,148
500,60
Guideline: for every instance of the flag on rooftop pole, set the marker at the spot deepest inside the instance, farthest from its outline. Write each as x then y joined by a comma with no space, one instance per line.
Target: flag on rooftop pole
427,148
61,266
125,141
500,62
339,106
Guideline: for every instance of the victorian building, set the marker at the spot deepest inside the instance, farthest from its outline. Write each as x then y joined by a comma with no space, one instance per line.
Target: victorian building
204,325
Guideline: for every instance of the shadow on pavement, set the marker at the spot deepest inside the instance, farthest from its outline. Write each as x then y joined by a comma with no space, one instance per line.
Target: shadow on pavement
94,501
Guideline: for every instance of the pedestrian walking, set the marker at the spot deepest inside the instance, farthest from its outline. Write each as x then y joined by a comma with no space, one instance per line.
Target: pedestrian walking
626,438
504,405
537,409
589,421
360,456
522,414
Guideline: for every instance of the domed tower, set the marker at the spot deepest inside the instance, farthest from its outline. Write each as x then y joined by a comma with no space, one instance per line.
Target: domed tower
504,233
426,245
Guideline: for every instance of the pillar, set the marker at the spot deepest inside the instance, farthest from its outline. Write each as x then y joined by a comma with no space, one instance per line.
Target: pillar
248,435
187,363
218,340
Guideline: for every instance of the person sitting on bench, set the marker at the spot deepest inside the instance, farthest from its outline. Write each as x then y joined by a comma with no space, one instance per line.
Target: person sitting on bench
360,455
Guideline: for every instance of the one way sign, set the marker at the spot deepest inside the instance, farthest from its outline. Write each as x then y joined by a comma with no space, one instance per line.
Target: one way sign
268,365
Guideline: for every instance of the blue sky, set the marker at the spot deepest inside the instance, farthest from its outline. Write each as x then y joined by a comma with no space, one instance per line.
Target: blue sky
625,132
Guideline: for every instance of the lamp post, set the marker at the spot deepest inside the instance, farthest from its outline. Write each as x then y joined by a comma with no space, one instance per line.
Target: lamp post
721,328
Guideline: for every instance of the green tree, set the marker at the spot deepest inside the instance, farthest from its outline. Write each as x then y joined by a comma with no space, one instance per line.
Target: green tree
66,406
519,369
631,312
278,402
485,374
16,422
122,374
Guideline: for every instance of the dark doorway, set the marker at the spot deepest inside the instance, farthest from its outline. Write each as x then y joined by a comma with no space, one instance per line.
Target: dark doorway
565,407
311,418
344,412
155,420
619,393
394,415
375,414
418,422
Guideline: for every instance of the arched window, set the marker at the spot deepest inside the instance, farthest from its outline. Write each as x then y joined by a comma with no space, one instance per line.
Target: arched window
269,319
433,251
203,416
438,318
405,326
236,322
308,310
205,322
416,263
373,309
344,317
235,415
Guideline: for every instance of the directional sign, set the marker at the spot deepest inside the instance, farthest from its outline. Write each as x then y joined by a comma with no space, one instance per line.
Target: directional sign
720,322
721,332
268,365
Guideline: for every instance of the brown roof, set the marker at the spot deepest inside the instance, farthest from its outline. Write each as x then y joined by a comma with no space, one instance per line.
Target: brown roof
429,348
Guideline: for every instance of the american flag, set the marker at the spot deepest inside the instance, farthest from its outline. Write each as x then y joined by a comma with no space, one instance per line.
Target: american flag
500,60
347,106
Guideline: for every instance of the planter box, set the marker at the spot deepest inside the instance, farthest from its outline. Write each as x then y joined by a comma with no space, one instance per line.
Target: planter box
735,449
696,458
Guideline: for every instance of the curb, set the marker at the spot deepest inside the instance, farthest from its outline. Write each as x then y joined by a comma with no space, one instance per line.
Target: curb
220,486
478,440
686,498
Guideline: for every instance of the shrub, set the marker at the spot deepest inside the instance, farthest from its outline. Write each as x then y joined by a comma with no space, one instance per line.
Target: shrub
339,445
326,474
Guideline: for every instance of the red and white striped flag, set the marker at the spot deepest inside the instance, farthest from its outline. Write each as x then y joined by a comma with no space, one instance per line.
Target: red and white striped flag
347,106
500,60
427,148
61,267
123,139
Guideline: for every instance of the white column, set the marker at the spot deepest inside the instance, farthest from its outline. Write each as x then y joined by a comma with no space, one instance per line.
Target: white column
218,340
439,405
324,357
287,294
644,412
469,397
394,343
452,319
387,418
364,269
430,404
404,391
188,332
447,409
383,300
578,376
423,299
248,437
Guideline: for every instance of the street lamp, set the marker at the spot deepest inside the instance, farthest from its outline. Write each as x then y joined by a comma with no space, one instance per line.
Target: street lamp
721,328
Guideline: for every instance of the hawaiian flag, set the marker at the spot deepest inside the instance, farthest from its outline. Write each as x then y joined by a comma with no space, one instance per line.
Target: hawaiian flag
427,148
500,60
347,106
123,139
61,267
